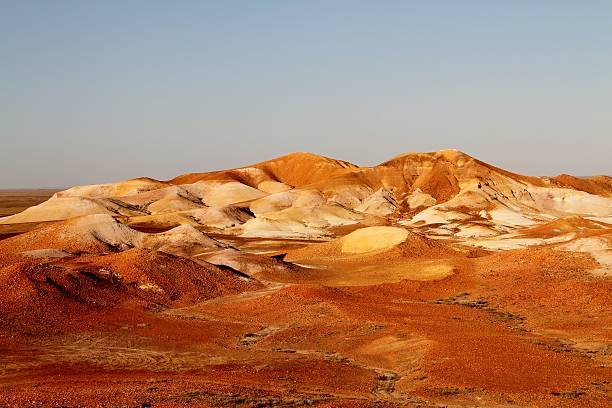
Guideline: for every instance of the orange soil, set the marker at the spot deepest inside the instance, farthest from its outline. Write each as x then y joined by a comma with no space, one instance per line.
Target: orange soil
504,329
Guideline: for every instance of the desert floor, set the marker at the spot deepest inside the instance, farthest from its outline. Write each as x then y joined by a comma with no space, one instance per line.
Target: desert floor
485,336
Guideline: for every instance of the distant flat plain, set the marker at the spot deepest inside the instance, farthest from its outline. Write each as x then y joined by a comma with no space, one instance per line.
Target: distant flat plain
13,201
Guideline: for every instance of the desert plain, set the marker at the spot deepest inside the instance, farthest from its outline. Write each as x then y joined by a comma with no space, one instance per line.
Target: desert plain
430,280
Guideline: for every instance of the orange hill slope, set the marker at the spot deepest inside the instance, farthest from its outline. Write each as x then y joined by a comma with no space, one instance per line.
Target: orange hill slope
302,195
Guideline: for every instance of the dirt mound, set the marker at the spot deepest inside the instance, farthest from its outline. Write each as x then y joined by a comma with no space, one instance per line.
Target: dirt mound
119,189
595,185
294,169
58,208
376,255
183,240
92,282
372,239
371,242
90,234
102,233
564,225
301,169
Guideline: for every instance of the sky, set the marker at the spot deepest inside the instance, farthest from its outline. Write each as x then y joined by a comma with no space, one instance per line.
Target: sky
100,91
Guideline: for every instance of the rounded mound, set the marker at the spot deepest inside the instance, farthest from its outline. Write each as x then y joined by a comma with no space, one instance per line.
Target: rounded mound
373,239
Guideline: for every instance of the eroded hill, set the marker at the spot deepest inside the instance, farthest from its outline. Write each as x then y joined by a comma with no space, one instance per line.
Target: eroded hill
432,279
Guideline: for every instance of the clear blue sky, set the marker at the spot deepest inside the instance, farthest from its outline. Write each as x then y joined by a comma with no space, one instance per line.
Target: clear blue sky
101,91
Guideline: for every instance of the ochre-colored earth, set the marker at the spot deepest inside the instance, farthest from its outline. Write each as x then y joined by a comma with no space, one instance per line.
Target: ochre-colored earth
431,280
